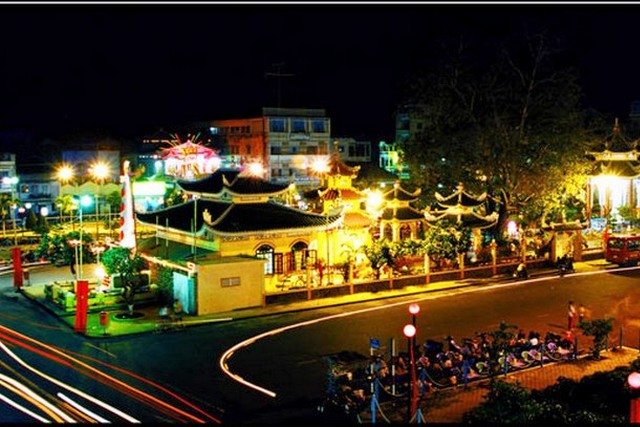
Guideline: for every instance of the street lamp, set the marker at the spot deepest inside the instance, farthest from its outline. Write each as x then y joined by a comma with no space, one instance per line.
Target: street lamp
634,382
64,173
84,201
100,171
410,332
414,309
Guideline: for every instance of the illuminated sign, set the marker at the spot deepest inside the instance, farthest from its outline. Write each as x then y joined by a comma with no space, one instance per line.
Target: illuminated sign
149,188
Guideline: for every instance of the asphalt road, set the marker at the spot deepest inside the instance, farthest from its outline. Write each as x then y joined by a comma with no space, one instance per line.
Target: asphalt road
292,363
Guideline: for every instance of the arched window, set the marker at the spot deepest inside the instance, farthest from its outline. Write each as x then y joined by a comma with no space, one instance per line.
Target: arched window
298,259
266,252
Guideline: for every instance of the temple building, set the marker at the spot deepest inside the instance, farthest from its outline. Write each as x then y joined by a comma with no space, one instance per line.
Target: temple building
398,220
615,181
229,220
339,195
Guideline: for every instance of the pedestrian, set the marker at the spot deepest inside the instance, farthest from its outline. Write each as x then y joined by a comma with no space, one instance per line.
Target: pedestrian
581,313
571,315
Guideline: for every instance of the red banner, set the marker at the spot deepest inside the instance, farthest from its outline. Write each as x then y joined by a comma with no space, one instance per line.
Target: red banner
17,267
82,303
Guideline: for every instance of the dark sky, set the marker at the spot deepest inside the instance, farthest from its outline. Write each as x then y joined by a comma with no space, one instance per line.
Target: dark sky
128,70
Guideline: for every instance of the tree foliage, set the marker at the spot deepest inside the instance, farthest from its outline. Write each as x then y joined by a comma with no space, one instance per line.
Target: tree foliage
126,263
444,241
504,119
599,329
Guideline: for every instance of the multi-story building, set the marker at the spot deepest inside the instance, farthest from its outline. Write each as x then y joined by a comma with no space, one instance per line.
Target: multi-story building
351,150
408,124
8,176
287,141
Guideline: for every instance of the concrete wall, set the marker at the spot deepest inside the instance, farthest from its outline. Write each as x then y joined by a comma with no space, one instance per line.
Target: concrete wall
213,297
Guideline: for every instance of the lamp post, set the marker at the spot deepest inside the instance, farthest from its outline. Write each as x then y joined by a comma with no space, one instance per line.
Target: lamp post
14,212
75,243
84,201
414,309
64,173
410,332
634,411
100,171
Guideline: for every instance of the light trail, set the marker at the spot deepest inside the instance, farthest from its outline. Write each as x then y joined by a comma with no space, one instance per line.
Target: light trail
139,394
83,409
61,415
23,409
246,343
68,387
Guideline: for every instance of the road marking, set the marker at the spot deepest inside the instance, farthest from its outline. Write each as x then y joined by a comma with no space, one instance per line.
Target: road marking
101,349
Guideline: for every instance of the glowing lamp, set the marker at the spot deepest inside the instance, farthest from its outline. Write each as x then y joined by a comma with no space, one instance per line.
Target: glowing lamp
28,205
409,331
100,272
256,169
65,173
634,380
414,309
44,211
86,200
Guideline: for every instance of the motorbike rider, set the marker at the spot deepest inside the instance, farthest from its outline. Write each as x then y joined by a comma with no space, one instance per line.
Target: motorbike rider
521,272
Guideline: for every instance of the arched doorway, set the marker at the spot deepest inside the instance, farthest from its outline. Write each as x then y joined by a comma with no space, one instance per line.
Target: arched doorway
298,256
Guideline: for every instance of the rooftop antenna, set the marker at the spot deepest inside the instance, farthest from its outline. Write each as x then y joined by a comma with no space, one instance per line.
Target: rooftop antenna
276,71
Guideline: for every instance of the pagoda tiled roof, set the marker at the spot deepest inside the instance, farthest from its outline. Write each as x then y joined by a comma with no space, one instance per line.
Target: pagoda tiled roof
615,142
269,216
344,194
460,198
402,214
399,193
357,220
180,216
231,181
231,218
617,168
338,167
212,184
463,217
254,185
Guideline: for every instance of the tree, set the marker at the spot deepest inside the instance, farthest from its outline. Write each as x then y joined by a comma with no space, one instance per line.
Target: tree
65,204
31,222
379,254
6,203
128,265
445,241
173,197
599,329
502,119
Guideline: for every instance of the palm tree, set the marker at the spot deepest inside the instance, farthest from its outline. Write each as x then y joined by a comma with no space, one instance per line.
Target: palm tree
6,202
65,204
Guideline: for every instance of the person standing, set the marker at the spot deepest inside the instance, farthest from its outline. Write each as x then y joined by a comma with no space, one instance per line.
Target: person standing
571,315
581,313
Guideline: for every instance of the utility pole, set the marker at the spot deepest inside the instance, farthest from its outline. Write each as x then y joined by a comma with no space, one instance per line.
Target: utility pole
276,71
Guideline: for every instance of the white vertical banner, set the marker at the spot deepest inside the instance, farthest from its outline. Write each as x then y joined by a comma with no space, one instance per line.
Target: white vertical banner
127,220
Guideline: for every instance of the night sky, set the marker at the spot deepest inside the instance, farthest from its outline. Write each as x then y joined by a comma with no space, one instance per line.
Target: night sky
129,70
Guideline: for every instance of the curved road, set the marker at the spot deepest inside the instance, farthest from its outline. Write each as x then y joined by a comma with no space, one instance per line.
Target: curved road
292,363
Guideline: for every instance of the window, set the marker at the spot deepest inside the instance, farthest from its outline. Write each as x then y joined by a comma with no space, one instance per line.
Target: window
312,150
293,150
275,149
278,263
276,125
298,257
226,282
318,126
234,149
266,252
633,245
298,126
248,148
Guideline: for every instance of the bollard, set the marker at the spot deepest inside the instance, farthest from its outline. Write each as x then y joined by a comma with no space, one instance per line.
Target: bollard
104,321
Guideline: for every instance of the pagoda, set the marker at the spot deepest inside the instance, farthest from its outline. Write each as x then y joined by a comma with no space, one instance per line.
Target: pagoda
398,220
461,208
616,175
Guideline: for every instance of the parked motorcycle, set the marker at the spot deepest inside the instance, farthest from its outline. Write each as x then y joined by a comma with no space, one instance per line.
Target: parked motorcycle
521,272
